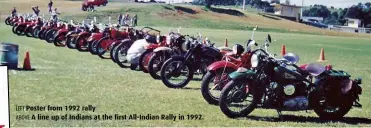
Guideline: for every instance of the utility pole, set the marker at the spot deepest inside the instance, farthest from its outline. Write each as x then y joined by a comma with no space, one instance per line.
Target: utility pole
244,3
301,10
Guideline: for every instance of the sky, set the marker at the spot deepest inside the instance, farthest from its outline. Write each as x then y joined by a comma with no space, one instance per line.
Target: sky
329,3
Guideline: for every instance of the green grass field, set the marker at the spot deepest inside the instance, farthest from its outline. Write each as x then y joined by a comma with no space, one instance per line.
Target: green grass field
68,77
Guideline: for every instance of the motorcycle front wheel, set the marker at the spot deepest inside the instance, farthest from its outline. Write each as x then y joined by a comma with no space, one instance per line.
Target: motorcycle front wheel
71,42
238,99
121,53
213,83
176,73
155,63
143,60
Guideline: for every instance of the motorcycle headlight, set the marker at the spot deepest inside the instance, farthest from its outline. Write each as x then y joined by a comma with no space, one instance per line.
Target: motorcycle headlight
254,61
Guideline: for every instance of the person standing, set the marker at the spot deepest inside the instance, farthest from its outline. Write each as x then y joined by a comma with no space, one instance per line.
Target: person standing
119,19
36,10
134,20
126,18
14,12
55,14
50,5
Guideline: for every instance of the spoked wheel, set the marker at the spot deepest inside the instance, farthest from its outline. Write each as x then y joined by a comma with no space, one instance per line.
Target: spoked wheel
175,73
113,51
14,29
102,48
332,107
92,47
7,21
144,59
71,42
155,63
60,40
49,36
20,30
238,99
35,32
42,34
28,32
213,83
121,54
81,43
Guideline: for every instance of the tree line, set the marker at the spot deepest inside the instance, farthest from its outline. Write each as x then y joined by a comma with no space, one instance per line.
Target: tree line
338,16
335,17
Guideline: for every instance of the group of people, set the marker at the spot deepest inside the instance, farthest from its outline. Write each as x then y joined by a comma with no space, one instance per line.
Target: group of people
36,11
125,20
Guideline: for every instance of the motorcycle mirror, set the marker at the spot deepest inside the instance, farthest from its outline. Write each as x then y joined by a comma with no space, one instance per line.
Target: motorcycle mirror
269,38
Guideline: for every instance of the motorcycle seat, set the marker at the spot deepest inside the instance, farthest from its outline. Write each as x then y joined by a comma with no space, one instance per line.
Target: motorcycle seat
313,69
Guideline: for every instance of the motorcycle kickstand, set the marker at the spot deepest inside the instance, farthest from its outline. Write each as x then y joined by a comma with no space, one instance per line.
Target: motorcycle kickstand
280,114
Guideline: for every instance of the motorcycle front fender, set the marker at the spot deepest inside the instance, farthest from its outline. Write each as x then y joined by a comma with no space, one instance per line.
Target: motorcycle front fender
95,36
162,49
83,33
221,64
242,75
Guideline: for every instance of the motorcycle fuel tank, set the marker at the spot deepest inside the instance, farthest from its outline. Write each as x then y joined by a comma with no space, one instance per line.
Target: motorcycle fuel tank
286,76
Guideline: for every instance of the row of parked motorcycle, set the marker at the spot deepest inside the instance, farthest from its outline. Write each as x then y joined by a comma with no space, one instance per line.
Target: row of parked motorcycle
238,79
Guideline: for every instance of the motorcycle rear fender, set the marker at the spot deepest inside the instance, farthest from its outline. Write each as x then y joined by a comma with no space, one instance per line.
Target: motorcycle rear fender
221,64
162,49
242,75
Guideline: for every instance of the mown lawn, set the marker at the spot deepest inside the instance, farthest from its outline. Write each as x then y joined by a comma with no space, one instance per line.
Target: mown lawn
68,77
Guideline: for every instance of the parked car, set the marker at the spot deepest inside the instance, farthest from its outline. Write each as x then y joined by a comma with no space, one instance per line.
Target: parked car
315,23
89,4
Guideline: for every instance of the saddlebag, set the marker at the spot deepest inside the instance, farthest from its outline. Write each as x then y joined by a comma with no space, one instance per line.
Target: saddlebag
335,80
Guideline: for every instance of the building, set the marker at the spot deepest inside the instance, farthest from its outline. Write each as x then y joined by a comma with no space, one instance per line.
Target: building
285,10
354,23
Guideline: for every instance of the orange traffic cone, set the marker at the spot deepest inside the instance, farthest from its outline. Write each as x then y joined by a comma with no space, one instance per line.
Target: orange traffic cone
283,50
226,42
322,55
26,62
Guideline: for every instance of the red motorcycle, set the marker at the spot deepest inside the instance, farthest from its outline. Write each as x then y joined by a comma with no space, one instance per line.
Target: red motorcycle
30,27
49,25
21,27
51,32
105,44
146,56
10,20
217,72
81,40
60,38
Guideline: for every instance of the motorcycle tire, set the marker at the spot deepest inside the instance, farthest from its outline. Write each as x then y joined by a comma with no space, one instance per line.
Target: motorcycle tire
122,49
225,100
113,51
92,47
49,35
81,43
60,40
142,60
71,42
20,30
343,106
209,78
14,29
28,32
35,32
165,78
154,70
7,21
42,35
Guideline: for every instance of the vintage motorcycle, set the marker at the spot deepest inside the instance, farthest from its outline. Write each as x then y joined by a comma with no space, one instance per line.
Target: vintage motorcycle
282,85
198,57
173,47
